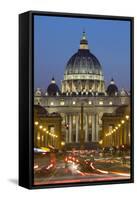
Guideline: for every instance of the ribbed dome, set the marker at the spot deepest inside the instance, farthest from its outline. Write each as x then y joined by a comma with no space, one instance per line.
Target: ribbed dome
53,89
112,89
83,62
83,71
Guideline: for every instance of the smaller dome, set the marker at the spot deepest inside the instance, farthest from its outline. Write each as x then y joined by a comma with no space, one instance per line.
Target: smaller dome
53,88
112,89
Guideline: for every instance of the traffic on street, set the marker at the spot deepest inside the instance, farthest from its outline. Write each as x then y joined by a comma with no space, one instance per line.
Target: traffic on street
79,166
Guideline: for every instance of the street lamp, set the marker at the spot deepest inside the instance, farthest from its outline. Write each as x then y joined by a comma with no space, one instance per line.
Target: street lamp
127,117
36,123
38,138
101,142
40,126
62,143
74,102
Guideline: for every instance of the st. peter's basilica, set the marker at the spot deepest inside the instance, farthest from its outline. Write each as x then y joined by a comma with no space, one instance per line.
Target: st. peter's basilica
84,111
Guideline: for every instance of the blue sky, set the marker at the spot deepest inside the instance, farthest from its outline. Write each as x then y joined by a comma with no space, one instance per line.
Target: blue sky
56,39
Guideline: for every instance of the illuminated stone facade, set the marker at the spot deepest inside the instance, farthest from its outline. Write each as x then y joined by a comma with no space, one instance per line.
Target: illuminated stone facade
69,108
116,128
47,128
83,84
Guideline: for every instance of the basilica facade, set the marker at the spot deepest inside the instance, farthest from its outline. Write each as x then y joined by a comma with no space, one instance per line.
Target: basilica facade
82,99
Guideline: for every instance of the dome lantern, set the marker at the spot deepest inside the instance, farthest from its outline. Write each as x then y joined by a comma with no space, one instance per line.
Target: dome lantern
83,41
112,82
53,80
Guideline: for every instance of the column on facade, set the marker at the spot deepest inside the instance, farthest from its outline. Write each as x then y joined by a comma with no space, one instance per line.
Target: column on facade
123,132
126,134
106,141
97,127
46,139
86,128
129,134
116,142
77,127
116,137
50,140
110,140
42,140
113,139
35,137
38,139
70,128
67,130
120,135
93,128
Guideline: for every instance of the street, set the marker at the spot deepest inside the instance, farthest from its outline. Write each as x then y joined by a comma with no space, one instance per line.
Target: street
55,169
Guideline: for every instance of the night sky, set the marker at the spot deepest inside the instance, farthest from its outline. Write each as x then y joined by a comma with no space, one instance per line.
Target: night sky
56,39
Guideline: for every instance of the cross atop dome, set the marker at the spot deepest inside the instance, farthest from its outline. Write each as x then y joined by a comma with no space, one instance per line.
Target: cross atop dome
84,35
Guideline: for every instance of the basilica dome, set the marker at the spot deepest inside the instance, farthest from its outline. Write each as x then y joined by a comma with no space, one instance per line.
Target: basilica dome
83,71
83,62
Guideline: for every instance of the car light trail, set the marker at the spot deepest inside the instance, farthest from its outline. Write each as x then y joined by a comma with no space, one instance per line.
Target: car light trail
99,170
51,165
102,171
36,167
122,174
91,165
81,173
